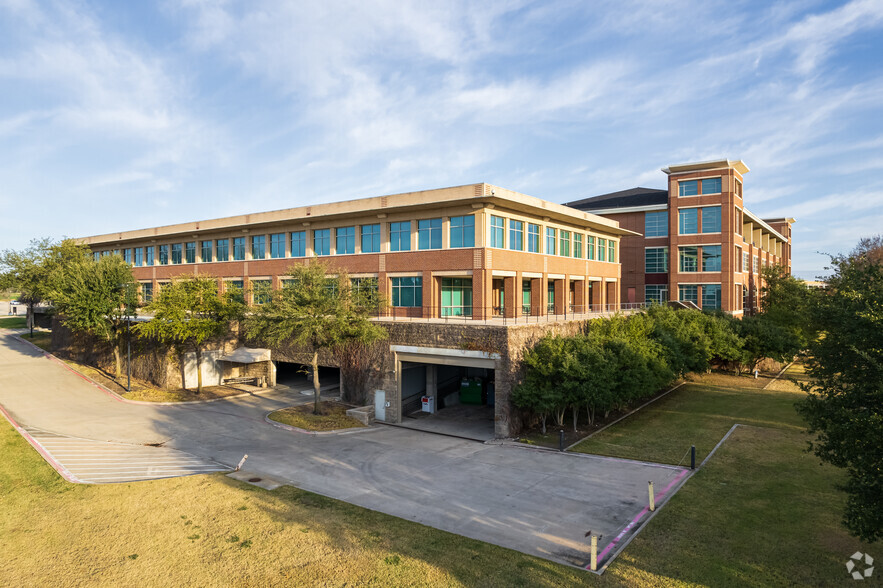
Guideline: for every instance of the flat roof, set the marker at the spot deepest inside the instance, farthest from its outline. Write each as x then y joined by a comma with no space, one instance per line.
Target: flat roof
482,193
681,168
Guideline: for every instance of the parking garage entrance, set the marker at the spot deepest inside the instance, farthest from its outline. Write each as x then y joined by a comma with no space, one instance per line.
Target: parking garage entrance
448,391
298,377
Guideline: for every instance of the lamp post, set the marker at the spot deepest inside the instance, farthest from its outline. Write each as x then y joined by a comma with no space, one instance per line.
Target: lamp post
128,351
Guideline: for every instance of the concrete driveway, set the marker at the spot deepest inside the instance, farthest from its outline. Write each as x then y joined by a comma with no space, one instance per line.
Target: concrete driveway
533,501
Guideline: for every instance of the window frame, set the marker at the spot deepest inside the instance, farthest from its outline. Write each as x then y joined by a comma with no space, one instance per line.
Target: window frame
370,235
429,235
397,236
461,231
497,232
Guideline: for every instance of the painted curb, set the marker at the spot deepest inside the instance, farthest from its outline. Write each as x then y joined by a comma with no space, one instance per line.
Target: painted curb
62,471
293,429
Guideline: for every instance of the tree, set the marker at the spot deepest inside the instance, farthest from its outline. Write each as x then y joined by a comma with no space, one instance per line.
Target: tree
187,312
844,402
763,338
786,301
27,271
315,312
95,297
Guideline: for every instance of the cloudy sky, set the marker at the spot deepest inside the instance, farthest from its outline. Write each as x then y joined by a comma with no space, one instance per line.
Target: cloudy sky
122,115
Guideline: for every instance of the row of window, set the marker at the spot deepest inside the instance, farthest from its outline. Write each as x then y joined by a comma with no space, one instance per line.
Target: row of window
526,237
699,187
691,221
711,294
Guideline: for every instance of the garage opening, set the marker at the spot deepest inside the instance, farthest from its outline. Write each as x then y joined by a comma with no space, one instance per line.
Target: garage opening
298,377
449,399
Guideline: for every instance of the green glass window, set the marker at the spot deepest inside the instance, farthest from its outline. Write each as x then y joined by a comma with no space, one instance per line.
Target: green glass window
602,249
550,241
689,259
711,219
611,251
322,241
238,248
429,233
370,238
298,243
346,240
711,258
564,242
498,224
407,291
578,245
525,294
190,252
590,247
516,235
400,236
277,245
456,297
533,238
222,248
462,231
206,251
656,260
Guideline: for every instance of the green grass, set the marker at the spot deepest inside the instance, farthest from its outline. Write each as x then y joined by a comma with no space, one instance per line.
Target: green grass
699,413
42,339
333,417
6,295
13,322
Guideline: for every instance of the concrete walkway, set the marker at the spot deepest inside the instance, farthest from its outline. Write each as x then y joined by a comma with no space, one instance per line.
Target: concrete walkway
534,501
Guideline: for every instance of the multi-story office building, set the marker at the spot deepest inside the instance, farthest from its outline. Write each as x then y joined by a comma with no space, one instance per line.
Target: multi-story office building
445,259
698,243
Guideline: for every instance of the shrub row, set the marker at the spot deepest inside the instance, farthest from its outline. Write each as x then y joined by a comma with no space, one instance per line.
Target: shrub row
617,362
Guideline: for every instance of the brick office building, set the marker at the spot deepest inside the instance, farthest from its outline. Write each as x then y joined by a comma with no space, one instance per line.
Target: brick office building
698,242
456,264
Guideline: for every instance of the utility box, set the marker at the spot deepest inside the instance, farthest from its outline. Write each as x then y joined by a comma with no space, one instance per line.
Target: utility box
470,391
428,404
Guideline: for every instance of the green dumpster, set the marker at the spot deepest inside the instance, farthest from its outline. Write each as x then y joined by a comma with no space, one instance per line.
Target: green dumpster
470,391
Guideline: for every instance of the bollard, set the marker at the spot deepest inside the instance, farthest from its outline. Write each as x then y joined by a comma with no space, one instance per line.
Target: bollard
241,463
561,440
755,374
692,457
652,498
594,553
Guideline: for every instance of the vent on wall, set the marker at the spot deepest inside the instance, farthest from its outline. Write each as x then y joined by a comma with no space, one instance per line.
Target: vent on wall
479,190
383,201
476,258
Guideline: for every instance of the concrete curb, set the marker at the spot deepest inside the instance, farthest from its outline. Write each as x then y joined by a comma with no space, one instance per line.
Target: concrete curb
119,398
317,433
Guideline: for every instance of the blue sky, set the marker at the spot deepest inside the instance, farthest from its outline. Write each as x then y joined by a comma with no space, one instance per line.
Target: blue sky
122,115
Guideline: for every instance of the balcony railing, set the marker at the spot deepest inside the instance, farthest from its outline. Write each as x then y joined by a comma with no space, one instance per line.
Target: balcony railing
497,314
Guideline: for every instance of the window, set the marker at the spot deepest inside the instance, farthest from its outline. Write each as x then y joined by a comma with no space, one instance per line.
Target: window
497,227
578,245
370,238
711,258
656,260
146,293
564,243
754,265
739,221
656,224
456,297
366,285
96,256
711,219
206,247
429,233
746,262
462,231
260,291
407,291
322,241
190,252
400,236
711,186
590,247
711,296
611,251
516,235
298,243
176,253
139,256
277,245
689,294
688,221
127,255
689,259
222,248
148,253
237,287
238,248
550,241
164,255
656,293
602,249
346,240
688,188
533,238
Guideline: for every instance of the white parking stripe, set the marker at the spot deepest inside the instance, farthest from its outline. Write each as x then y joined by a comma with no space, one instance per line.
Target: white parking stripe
103,462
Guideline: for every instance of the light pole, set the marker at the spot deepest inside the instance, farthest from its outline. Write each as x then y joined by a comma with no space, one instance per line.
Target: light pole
128,351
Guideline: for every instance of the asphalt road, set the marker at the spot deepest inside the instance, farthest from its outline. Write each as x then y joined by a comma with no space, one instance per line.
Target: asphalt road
533,501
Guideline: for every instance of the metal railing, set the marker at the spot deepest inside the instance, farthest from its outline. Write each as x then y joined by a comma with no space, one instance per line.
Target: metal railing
496,315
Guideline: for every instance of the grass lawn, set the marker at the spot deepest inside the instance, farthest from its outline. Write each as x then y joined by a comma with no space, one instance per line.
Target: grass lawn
13,322
333,417
42,339
6,295
763,512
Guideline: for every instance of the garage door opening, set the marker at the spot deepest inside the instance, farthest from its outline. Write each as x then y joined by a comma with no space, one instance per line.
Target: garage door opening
298,377
449,399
